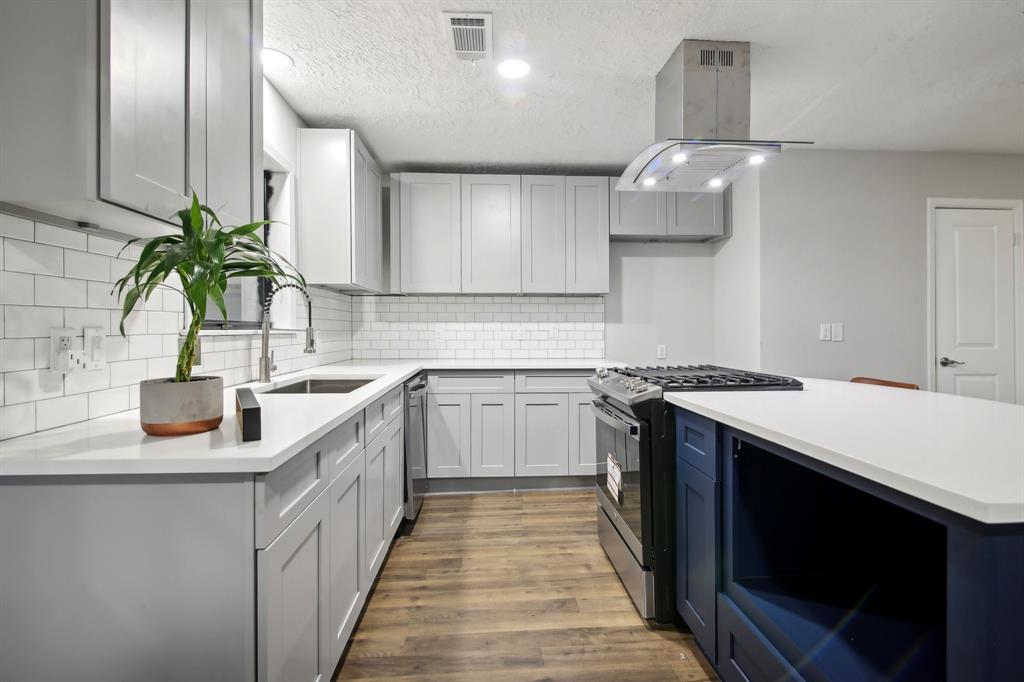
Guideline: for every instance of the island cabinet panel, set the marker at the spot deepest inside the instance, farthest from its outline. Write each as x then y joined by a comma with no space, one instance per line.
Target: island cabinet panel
542,434
543,231
696,442
293,576
491,243
347,496
582,435
744,654
492,421
697,550
143,117
448,435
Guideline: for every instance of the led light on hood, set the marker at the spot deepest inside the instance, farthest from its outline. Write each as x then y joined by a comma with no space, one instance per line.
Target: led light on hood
756,159
649,182
715,182
679,158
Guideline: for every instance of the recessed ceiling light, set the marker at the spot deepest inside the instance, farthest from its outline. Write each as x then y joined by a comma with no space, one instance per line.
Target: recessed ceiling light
756,159
679,158
649,181
275,60
715,182
513,68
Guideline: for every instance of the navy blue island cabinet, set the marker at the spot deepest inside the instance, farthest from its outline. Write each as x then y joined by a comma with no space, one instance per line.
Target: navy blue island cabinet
788,568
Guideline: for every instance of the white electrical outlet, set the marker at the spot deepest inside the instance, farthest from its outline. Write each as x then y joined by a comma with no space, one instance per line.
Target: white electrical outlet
62,348
520,333
662,354
825,332
838,331
439,335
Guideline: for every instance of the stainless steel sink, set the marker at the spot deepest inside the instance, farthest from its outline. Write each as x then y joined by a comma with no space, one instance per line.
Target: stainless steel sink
321,386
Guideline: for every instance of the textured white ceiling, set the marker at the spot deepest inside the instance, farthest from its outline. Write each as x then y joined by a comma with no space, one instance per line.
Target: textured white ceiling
863,74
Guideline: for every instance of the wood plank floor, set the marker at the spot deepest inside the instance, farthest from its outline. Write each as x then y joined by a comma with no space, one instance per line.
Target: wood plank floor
502,587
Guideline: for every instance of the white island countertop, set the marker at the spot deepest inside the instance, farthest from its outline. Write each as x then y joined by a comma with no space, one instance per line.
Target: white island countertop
961,454
116,444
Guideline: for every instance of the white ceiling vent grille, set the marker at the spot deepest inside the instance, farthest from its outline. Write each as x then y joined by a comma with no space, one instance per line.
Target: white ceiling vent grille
469,34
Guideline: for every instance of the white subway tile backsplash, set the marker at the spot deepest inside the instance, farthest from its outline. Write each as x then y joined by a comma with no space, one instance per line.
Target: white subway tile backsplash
84,265
102,403
164,323
25,321
60,411
109,247
31,385
77,318
17,354
17,228
17,288
17,420
57,291
40,259
58,236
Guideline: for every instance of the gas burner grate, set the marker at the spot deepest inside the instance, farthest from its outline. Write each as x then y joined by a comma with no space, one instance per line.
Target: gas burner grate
710,378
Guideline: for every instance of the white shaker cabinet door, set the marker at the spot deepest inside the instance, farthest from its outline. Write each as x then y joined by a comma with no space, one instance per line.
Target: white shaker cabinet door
220,76
637,213
448,435
143,119
431,233
376,539
293,588
586,243
493,434
394,477
543,234
542,434
491,245
347,498
696,214
582,435
367,229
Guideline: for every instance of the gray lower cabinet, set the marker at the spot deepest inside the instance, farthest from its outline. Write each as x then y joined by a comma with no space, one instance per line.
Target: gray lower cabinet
394,478
542,434
385,505
292,593
448,435
349,579
582,435
492,432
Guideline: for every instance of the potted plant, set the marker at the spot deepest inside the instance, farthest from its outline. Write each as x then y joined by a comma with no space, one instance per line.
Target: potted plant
203,258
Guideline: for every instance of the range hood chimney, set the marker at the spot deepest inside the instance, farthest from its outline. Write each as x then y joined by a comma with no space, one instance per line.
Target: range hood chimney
702,119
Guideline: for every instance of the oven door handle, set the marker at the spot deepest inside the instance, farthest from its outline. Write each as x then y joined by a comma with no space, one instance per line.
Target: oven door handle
620,424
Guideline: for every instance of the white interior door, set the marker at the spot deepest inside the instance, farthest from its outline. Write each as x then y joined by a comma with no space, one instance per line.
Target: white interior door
974,303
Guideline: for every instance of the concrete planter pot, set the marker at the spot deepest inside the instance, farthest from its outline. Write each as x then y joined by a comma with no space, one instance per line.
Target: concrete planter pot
169,408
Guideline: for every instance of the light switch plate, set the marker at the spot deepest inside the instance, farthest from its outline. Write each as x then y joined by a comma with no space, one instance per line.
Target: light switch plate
825,332
838,331
662,354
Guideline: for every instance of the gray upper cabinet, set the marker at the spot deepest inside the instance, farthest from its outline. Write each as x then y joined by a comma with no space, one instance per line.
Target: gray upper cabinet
448,435
491,245
637,213
542,434
543,234
292,589
586,231
341,240
696,214
431,233
143,117
143,102
493,434
220,80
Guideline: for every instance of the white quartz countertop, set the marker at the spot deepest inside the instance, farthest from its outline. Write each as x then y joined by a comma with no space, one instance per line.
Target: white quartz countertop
117,445
961,454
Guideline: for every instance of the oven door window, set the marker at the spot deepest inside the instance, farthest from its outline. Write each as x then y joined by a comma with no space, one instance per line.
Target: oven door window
624,450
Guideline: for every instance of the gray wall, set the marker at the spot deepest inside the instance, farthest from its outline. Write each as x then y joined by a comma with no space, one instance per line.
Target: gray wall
737,264
660,293
843,238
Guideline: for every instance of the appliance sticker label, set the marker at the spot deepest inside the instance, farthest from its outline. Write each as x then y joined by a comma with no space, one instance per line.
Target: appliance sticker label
614,478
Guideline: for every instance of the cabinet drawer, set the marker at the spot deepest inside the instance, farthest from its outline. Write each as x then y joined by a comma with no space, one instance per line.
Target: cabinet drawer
696,443
558,381
282,494
345,442
744,655
470,382
381,411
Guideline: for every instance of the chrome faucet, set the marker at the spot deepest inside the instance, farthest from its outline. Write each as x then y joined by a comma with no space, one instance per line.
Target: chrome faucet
266,355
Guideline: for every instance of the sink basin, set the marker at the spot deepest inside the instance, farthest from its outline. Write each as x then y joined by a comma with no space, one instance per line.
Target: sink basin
321,386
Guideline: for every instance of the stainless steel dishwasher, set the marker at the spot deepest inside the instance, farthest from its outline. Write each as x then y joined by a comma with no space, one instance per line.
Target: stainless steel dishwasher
415,444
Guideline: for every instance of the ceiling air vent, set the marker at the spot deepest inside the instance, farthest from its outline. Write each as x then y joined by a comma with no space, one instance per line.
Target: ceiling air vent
469,34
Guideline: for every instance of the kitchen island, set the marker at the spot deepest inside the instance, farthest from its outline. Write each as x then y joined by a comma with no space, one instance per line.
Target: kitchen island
203,557
851,532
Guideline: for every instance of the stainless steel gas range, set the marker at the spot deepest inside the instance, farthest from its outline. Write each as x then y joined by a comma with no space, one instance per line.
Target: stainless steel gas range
636,470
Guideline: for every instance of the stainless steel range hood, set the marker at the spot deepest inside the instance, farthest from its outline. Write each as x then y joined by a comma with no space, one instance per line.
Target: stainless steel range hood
702,119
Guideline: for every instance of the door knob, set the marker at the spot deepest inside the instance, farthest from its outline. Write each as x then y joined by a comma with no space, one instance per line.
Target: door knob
946,362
